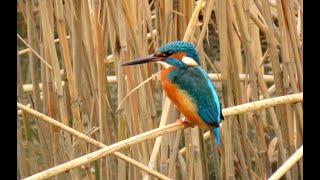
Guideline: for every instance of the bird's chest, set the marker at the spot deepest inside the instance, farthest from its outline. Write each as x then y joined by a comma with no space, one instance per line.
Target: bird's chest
178,82
181,98
172,90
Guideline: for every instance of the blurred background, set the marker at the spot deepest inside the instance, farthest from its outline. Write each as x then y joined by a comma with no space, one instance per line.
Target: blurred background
69,54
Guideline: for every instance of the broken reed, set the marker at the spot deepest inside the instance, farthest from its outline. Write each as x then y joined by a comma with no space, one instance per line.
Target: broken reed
88,40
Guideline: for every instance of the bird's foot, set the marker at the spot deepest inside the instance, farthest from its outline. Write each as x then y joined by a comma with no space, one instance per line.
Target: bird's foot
183,122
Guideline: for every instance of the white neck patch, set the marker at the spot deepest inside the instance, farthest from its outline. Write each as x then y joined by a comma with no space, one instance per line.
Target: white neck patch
189,61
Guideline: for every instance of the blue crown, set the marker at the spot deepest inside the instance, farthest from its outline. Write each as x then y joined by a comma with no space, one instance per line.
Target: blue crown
181,46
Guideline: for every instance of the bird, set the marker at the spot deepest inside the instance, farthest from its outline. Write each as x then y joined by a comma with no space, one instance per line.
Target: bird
187,85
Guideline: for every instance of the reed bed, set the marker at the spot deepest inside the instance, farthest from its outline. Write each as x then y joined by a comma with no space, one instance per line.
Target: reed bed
81,115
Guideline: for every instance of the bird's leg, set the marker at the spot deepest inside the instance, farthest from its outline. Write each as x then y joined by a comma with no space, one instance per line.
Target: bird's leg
184,122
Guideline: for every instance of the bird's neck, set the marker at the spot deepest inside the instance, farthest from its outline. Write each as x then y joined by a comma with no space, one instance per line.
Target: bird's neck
173,73
164,73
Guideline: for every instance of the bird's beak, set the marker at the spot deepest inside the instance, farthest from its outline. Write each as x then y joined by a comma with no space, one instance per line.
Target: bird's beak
145,59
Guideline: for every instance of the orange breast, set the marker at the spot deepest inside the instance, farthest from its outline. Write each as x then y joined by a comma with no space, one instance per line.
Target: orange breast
181,99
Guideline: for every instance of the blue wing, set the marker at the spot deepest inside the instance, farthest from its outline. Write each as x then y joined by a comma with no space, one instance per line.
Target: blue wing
195,81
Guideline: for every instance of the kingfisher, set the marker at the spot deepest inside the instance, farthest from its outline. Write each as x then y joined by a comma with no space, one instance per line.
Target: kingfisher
187,85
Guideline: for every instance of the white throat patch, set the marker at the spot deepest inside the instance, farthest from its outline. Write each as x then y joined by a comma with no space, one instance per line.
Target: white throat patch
164,64
189,61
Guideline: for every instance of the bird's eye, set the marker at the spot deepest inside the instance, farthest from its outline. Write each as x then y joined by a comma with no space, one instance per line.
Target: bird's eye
169,53
164,54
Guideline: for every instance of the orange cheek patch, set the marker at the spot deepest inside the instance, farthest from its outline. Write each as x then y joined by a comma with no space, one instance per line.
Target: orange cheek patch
178,55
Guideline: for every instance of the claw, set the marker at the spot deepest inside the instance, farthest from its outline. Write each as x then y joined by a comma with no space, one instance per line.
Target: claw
183,122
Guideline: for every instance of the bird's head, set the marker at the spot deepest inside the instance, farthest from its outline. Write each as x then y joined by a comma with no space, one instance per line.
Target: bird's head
177,53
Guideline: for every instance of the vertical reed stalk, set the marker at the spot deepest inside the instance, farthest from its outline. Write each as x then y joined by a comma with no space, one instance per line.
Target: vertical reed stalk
45,9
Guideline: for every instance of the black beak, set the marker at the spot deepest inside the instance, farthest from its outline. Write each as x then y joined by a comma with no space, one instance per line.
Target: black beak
146,59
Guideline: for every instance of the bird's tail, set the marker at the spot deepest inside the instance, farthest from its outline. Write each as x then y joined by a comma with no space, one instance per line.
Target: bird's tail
215,132
216,135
